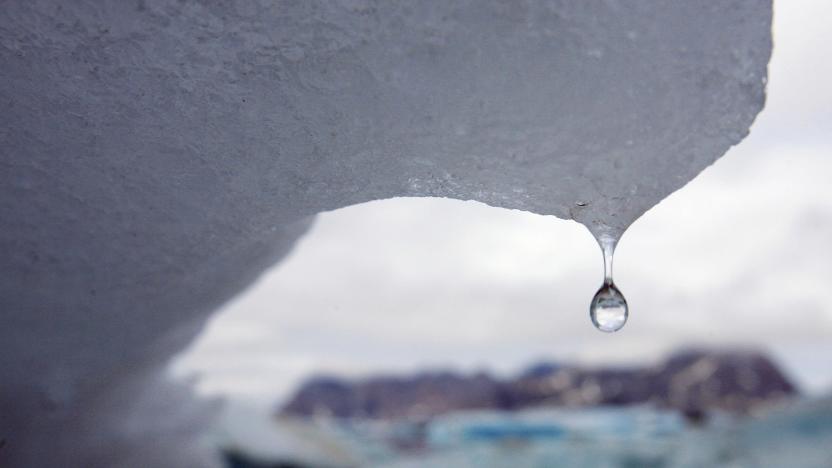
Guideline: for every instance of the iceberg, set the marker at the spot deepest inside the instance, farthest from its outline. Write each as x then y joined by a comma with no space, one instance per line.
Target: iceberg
158,155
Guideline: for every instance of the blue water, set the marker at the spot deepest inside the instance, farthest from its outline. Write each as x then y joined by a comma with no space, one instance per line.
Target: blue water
798,435
795,437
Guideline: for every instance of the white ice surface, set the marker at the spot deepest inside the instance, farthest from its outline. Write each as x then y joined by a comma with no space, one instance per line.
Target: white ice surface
155,156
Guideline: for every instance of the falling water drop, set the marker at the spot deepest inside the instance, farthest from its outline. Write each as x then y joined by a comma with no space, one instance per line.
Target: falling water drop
608,309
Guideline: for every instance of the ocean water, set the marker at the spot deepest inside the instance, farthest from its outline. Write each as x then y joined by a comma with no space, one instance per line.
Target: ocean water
798,435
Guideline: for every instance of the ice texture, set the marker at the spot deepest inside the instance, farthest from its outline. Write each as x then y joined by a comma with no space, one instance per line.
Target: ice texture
157,155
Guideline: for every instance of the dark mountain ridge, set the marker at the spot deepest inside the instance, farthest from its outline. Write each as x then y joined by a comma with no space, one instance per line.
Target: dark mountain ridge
692,381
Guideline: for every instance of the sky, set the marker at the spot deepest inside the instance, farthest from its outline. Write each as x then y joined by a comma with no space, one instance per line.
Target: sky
739,257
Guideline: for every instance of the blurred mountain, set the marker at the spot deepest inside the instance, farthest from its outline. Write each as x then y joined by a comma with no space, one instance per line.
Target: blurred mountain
693,381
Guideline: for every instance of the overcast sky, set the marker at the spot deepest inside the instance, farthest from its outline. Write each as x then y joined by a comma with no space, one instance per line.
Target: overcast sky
740,256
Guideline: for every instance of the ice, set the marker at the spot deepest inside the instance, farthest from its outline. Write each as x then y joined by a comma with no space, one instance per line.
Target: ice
158,155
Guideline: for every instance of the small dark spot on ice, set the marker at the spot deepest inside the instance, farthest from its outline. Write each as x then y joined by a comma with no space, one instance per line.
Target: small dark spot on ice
581,203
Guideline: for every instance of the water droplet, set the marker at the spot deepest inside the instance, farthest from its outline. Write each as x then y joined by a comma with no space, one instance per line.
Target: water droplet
608,309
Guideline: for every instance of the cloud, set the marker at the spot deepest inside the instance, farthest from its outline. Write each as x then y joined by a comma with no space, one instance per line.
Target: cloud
405,283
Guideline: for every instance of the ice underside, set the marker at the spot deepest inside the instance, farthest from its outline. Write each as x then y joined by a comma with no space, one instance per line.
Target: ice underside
158,155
